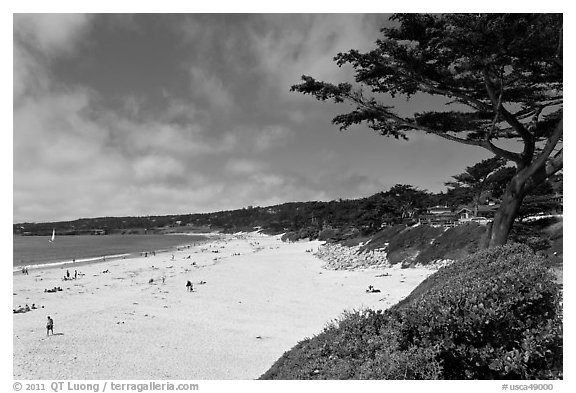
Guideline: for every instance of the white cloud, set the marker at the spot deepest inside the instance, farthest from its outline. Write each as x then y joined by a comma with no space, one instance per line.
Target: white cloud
248,139
87,161
243,166
27,74
210,88
155,167
51,34
180,110
307,43
39,38
272,136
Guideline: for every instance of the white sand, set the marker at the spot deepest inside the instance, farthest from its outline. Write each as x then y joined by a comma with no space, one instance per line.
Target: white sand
252,309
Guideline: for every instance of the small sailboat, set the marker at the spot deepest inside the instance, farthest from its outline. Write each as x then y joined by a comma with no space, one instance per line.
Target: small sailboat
53,235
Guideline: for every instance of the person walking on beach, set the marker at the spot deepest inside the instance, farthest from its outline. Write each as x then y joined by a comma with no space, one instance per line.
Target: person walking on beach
75,274
49,326
189,286
67,273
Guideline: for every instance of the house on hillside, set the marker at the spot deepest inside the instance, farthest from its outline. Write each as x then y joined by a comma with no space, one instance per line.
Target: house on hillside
438,210
484,216
487,211
465,214
439,216
548,203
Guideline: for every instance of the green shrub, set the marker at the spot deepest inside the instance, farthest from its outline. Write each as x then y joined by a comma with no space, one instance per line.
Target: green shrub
361,345
454,243
493,315
290,237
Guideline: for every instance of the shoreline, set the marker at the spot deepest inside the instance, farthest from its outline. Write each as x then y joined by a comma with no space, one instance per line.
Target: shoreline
104,258
254,298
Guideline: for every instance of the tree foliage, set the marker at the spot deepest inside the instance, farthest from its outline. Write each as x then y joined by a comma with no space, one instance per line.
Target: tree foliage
479,178
500,75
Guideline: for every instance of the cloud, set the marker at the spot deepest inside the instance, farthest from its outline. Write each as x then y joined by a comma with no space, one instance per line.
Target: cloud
256,138
210,88
272,136
164,155
51,34
243,166
27,74
156,167
39,39
179,110
307,43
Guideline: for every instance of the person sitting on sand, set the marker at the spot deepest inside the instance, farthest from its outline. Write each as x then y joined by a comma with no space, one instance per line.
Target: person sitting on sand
49,326
19,310
34,306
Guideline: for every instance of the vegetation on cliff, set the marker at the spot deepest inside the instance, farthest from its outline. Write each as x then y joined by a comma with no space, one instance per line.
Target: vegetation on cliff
496,314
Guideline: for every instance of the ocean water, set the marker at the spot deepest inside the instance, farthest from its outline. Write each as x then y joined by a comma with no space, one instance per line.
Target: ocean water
37,250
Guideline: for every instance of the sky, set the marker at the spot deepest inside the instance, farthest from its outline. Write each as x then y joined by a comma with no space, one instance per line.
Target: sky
157,114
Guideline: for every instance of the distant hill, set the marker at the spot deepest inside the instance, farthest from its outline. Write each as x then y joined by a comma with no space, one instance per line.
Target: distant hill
381,217
366,214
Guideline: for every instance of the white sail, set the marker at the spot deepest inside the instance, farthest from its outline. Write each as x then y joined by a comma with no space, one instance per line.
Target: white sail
53,235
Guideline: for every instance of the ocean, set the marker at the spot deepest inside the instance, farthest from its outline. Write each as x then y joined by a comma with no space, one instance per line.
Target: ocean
37,250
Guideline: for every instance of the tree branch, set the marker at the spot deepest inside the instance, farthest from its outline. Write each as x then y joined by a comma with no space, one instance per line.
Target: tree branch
509,155
548,149
526,136
497,115
555,164
359,100
479,105
558,57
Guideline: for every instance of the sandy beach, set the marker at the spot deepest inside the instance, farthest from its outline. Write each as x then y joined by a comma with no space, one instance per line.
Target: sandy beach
261,296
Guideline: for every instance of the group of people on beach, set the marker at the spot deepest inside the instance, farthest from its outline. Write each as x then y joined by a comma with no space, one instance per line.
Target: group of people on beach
20,309
190,286
67,276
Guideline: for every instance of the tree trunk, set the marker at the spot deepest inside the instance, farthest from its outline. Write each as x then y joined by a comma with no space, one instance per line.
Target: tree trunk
506,214
476,204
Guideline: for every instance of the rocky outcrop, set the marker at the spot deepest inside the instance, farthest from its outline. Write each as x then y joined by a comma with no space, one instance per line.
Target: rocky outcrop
338,257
